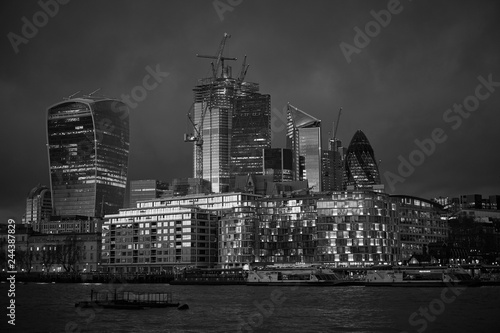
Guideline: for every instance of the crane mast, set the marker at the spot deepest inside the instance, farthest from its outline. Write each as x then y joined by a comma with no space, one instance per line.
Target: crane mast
333,144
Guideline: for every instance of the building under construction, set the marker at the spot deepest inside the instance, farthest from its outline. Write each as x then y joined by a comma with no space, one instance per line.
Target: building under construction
223,103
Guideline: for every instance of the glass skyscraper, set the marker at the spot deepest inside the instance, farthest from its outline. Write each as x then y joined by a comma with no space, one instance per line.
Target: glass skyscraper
304,138
361,169
251,133
236,127
88,147
215,99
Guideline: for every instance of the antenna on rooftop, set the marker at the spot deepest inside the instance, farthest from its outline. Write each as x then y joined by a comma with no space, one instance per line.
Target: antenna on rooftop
90,95
71,96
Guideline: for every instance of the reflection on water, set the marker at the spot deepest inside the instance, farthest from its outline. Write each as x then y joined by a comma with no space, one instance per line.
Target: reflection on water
50,308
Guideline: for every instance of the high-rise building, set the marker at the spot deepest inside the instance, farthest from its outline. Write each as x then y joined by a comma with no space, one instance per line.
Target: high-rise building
361,169
88,147
146,189
304,138
278,162
219,104
38,207
327,170
214,99
338,163
251,133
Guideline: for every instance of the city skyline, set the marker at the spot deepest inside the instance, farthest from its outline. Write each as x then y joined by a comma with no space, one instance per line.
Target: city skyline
397,89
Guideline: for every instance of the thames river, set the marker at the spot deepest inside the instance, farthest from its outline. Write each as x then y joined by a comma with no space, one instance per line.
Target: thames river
50,308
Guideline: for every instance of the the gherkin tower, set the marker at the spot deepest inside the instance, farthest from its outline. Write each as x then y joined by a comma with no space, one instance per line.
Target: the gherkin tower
361,170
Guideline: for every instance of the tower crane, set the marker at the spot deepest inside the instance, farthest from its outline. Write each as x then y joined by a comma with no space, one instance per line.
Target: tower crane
219,58
244,69
197,136
334,136
333,145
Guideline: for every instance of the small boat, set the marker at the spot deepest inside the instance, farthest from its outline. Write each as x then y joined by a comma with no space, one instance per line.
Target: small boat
128,300
388,276
294,276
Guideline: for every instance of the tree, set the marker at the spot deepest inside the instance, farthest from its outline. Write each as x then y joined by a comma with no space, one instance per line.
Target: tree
69,253
48,256
24,258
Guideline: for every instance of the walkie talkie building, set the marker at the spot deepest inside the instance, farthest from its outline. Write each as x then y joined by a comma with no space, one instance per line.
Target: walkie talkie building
88,148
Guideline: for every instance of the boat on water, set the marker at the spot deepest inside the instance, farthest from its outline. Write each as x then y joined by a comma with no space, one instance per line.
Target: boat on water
128,300
210,276
293,276
389,276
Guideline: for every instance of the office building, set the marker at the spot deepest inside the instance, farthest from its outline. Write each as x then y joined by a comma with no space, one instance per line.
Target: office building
361,169
147,189
278,163
327,170
38,207
471,201
251,133
421,222
187,186
494,202
88,147
304,139
338,164
217,103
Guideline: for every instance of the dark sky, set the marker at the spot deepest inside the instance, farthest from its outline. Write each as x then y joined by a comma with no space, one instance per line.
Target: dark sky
397,88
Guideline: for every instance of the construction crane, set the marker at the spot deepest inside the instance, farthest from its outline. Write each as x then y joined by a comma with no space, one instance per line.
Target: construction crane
333,143
244,69
219,58
197,136
334,136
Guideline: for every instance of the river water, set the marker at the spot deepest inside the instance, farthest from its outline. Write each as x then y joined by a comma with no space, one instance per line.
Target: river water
50,308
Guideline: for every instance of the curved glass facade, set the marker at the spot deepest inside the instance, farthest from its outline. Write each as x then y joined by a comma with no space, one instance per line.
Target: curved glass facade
361,170
88,147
